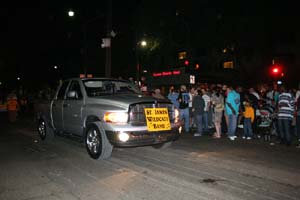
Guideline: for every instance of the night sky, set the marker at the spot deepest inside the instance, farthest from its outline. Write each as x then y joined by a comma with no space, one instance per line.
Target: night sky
36,36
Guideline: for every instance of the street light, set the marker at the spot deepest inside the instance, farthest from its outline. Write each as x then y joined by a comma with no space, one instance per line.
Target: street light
110,34
143,44
84,30
71,13
57,72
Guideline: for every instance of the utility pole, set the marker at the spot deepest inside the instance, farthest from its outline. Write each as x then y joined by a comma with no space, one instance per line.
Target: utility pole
108,32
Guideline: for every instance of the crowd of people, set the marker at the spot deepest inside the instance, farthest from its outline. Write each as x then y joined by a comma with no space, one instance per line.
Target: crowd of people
17,102
232,112
218,110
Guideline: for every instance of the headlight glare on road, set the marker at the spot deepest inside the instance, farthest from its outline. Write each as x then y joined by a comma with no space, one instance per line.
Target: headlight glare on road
176,115
123,137
116,117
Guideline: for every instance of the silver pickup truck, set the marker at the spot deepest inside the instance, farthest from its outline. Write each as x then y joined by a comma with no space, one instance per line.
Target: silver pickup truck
107,113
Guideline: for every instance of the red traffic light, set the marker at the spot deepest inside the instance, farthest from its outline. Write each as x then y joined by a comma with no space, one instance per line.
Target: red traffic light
186,62
276,70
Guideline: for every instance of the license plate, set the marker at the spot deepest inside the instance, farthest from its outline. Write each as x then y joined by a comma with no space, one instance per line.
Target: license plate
157,119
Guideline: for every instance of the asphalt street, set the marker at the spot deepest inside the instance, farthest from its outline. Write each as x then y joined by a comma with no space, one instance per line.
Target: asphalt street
193,168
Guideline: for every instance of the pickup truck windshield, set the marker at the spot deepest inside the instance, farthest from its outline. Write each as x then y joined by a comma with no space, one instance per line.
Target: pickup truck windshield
96,88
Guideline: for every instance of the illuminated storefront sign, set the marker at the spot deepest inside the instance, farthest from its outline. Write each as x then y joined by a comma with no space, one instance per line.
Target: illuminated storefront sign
167,73
170,76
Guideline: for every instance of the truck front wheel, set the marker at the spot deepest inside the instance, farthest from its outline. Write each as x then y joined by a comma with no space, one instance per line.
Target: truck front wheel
96,142
45,132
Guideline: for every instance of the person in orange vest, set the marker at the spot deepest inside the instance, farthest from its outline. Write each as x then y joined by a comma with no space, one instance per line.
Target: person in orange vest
12,108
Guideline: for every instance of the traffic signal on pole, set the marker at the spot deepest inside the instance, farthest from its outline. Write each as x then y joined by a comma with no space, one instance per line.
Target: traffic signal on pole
276,70
186,63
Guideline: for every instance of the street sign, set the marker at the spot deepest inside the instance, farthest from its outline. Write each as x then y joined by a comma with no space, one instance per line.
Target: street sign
105,42
192,79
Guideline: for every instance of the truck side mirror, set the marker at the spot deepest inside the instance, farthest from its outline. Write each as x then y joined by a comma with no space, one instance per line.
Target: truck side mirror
72,95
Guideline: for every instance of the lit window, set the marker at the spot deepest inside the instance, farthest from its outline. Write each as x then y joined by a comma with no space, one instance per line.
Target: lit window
181,55
228,65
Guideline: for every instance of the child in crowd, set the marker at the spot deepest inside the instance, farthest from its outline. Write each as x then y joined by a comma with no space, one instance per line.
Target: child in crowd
248,120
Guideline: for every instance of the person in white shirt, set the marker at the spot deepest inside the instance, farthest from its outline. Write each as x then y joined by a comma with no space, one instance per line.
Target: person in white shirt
207,101
192,93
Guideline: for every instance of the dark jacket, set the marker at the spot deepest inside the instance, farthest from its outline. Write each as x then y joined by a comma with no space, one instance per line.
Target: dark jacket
198,105
183,99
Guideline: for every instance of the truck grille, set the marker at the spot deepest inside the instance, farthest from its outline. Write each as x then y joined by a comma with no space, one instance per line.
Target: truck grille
137,115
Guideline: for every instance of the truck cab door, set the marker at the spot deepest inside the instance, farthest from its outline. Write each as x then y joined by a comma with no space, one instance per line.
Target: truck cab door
57,107
72,109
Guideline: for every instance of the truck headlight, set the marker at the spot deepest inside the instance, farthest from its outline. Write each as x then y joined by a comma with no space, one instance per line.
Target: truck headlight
123,137
116,117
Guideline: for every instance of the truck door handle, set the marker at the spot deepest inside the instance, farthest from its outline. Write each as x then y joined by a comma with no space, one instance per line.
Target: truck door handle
66,105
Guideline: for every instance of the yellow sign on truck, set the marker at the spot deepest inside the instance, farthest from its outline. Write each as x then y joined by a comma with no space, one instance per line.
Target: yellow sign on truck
157,119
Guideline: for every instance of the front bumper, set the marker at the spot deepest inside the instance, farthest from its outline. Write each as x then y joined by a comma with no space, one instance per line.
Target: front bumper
142,138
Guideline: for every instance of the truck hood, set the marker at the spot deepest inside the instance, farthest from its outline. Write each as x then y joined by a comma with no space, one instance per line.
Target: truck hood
124,100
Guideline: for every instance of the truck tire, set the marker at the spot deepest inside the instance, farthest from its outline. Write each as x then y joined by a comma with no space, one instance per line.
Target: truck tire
162,145
45,132
96,142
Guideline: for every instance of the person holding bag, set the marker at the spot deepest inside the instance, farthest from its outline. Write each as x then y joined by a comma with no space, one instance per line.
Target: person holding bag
218,108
